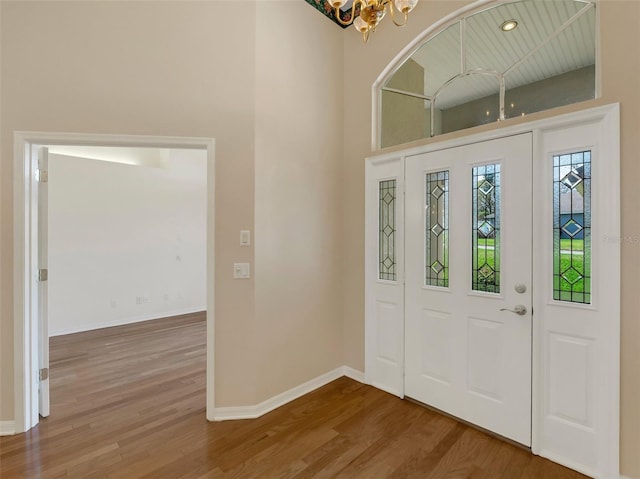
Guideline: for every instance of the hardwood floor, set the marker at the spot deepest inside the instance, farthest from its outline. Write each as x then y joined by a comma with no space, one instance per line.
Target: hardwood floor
129,402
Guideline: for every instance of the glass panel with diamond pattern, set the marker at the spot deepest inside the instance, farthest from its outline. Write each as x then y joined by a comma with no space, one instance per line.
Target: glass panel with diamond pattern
437,229
387,230
485,274
572,227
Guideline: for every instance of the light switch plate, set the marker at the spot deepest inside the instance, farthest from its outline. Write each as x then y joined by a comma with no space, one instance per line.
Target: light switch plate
241,270
245,238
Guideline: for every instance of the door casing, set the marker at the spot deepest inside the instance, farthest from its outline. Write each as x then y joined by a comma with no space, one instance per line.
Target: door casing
25,286
607,117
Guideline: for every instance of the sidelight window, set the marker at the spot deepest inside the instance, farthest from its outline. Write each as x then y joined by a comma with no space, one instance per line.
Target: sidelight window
572,227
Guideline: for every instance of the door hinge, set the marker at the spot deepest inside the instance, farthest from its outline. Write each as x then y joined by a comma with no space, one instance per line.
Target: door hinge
43,274
43,374
42,176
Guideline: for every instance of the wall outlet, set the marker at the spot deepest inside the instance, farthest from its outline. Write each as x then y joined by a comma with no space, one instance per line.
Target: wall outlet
139,299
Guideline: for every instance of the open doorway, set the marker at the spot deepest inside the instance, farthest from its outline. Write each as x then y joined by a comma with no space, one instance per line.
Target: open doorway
126,244
31,307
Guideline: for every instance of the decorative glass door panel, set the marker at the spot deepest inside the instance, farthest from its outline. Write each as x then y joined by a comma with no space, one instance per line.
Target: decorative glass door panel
486,228
437,229
387,230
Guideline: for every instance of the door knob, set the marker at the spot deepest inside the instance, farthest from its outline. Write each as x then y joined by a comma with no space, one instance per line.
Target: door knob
519,309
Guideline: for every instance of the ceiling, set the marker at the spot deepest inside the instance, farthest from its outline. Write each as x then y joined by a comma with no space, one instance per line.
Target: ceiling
152,157
553,37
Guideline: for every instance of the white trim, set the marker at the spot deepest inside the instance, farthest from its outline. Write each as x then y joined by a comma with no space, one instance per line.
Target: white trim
353,374
7,428
545,124
122,321
255,411
25,324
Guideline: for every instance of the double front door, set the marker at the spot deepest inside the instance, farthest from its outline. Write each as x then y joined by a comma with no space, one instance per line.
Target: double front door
468,283
463,242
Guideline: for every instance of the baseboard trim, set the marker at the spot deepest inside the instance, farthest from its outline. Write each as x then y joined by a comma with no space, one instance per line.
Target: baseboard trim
353,374
124,321
7,428
255,411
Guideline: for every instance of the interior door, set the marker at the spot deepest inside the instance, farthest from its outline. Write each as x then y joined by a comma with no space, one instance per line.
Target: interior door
42,155
468,250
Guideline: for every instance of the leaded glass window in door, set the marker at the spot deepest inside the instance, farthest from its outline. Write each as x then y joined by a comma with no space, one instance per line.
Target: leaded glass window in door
387,230
485,274
437,229
572,227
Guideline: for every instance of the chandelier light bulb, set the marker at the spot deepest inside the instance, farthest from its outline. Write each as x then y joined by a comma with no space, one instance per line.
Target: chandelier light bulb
360,25
405,6
336,3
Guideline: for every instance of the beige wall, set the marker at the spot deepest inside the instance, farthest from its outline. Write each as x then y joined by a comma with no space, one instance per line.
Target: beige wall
620,39
298,195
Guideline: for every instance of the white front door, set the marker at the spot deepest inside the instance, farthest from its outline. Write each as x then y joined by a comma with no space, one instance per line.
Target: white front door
468,292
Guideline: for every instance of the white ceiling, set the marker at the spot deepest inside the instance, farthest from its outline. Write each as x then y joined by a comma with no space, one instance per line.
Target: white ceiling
487,47
153,157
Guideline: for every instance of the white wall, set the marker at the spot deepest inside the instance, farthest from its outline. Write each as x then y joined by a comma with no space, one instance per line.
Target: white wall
126,243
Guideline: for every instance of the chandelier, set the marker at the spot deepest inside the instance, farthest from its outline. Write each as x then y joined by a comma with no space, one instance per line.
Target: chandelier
372,11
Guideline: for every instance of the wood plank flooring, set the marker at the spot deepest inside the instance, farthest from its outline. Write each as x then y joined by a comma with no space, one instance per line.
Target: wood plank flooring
129,402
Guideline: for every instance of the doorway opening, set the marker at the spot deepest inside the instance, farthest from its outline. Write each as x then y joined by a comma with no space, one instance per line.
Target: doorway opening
30,303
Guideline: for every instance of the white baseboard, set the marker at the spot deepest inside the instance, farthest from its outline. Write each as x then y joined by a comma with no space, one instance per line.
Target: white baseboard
252,412
7,428
353,374
122,321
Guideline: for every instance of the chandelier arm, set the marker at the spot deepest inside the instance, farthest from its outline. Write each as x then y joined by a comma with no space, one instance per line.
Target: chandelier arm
339,18
393,17
353,12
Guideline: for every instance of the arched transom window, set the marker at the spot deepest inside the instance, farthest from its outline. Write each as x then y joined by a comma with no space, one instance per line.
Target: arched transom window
509,60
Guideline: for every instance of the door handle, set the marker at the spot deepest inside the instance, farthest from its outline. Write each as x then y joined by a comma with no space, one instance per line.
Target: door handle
519,309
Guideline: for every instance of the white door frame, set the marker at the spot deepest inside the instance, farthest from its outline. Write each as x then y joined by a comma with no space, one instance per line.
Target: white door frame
25,208
608,117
